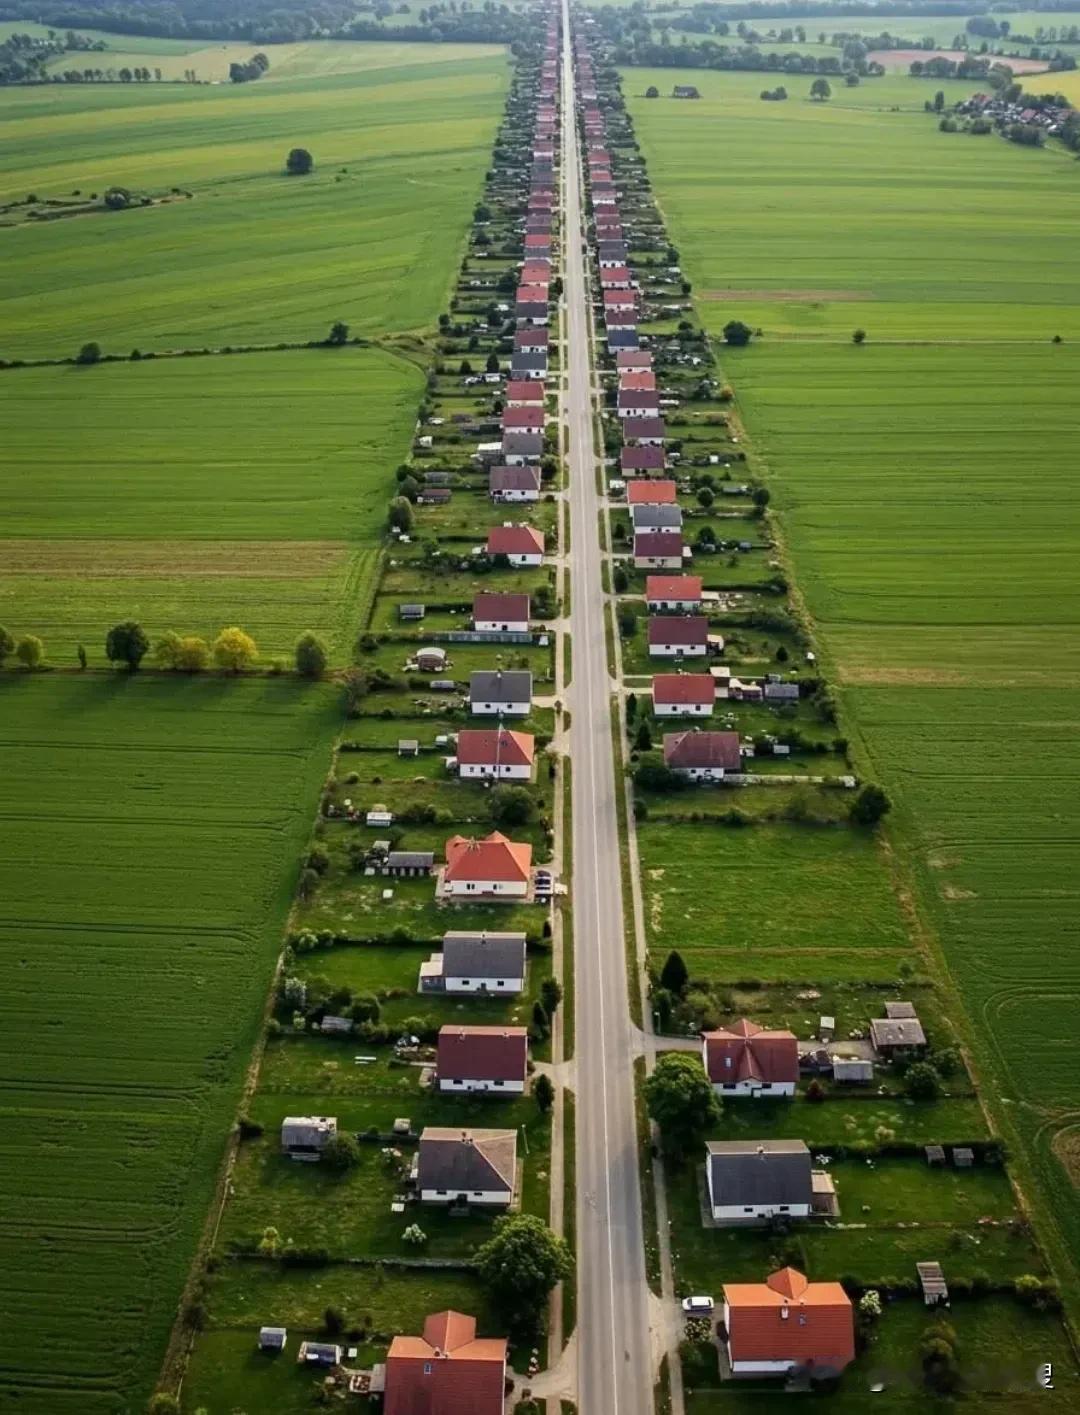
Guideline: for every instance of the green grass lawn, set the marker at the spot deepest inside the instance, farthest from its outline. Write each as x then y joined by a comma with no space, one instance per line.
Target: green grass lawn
254,256
941,578
190,494
770,901
152,830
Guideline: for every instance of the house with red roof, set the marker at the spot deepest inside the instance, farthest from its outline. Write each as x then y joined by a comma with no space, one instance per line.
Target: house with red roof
536,271
658,550
659,491
616,277
745,1059
673,635
703,756
447,1371
615,300
495,612
673,593
683,694
524,393
788,1324
523,419
537,243
495,754
633,358
491,1059
493,868
649,431
531,341
635,461
522,545
637,381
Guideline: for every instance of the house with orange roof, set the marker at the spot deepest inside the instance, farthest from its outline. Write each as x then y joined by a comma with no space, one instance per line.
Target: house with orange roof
447,1371
673,593
522,545
493,868
652,491
788,1324
745,1059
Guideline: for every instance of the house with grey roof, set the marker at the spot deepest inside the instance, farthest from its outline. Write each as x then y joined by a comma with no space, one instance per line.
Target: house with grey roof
476,963
455,1166
494,692
529,364
897,1036
656,516
752,1181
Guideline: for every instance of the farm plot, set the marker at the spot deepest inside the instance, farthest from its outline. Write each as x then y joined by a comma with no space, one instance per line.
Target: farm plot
151,833
172,493
369,237
944,586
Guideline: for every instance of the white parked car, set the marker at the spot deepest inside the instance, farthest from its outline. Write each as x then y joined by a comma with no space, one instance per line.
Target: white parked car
697,1306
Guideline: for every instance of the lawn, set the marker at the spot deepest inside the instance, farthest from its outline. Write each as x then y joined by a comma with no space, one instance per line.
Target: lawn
940,574
152,831
192,493
370,237
770,901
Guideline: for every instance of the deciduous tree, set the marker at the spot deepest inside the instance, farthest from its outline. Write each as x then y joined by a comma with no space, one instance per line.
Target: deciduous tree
126,643
29,650
681,1100
299,162
234,649
519,1265
311,656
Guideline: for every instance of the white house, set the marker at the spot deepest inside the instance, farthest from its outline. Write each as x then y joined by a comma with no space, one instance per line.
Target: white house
673,594
752,1181
486,1059
495,754
675,635
474,1167
304,1137
522,545
494,868
658,550
514,483
476,963
745,1059
498,693
683,695
702,756
787,1324
495,612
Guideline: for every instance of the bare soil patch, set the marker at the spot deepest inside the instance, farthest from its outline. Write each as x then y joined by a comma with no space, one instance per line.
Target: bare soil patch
770,297
213,559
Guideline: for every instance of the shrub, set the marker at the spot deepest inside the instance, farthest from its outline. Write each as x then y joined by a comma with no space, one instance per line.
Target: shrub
311,655
922,1082
126,643
299,162
342,1153
29,650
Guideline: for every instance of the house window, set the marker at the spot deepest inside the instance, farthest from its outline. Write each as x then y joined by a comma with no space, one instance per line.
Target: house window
785,1208
440,1191
749,1209
427,1368
478,1193
500,1083
499,983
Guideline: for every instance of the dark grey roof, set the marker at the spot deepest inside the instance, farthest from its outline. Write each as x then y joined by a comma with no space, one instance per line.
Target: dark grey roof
528,363
460,1161
622,339
523,443
759,1172
656,516
411,859
483,955
512,685
901,1012
886,1033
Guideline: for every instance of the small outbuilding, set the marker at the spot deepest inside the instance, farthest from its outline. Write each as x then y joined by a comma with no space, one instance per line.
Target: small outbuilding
273,1338
935,1154
963,1157
411,612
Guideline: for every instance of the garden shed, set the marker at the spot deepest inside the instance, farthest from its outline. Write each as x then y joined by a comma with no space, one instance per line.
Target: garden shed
272,1338
935,1154
963,1157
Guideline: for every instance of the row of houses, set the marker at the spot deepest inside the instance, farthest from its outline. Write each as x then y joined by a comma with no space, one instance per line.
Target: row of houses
785,1323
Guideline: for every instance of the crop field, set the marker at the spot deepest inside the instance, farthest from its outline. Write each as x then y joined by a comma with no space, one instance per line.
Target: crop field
252,256
926,489
151,833
191,493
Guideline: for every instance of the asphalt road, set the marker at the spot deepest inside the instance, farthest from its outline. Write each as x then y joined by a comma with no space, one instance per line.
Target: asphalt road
614,1358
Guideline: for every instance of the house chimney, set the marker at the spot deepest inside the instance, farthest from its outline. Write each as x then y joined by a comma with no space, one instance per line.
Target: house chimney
761,1150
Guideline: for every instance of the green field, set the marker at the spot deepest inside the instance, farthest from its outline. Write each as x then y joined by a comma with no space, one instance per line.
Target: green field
252,256
152,830
192,493
926,487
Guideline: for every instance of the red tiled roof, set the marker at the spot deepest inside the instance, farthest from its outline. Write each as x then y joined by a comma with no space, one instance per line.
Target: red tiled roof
515,540
447,1371
689,629
642,427
637,381
633,358
524,391
673,587
683,688
483,1053
536,240
535,294
755,1054
530,419
618,299
507,608
483,746
614,275
645,402
493,858
663,543
536,272
708,749
787,1318
530,338
658,491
